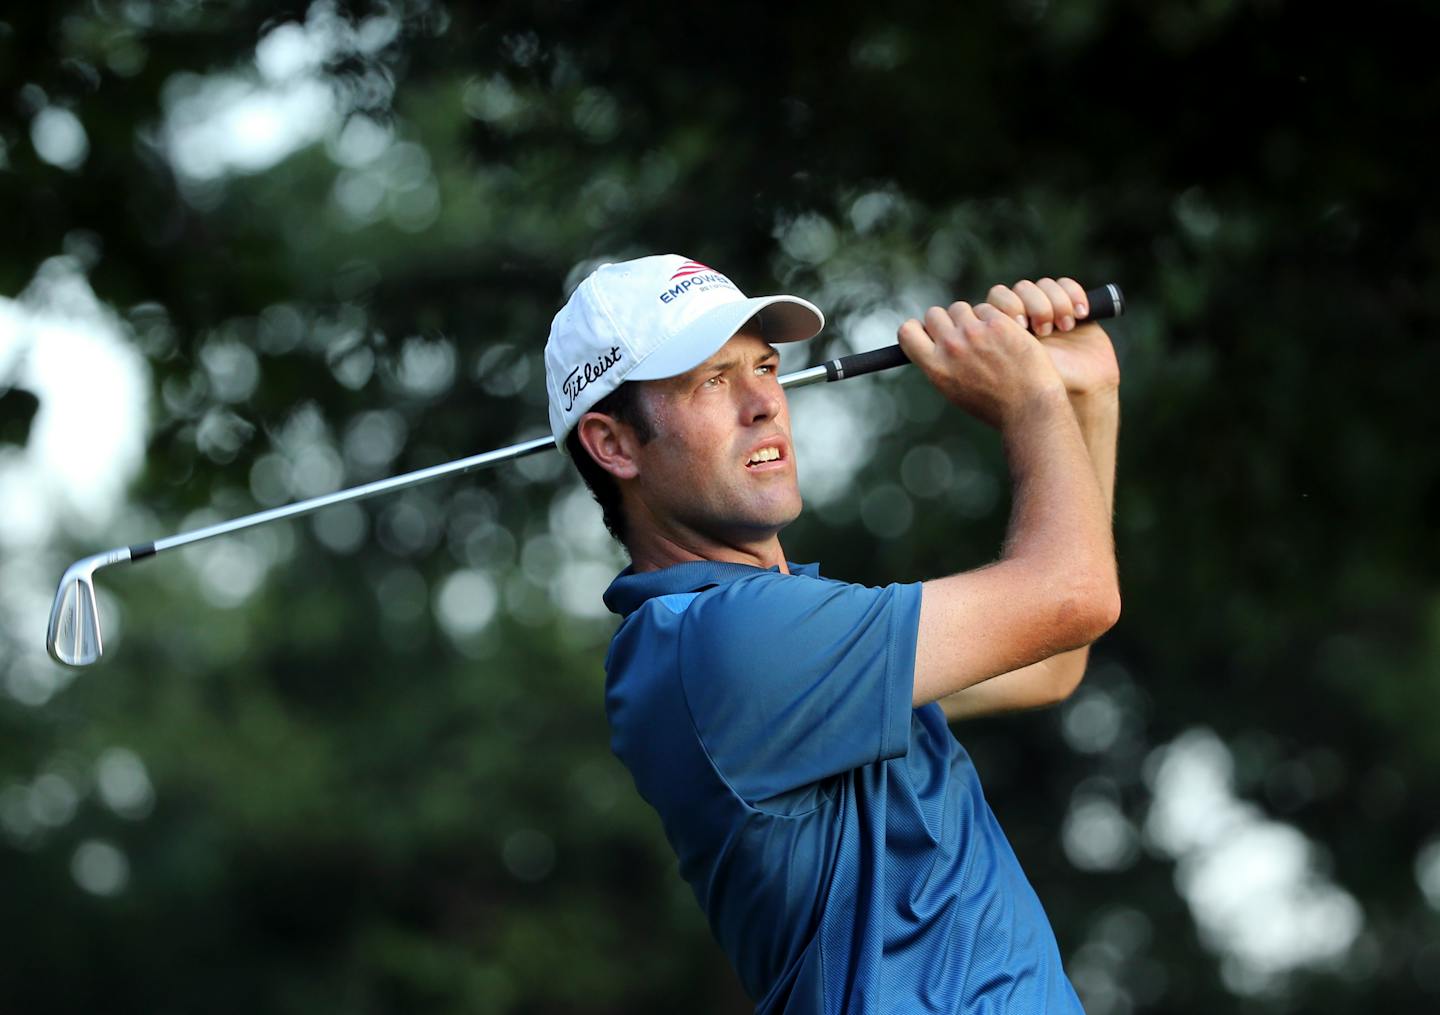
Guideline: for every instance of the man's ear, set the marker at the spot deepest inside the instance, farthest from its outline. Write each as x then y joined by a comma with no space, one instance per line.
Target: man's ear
610,442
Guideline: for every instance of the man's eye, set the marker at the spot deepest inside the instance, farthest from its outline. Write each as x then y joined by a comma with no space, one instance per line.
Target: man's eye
711,382
767,368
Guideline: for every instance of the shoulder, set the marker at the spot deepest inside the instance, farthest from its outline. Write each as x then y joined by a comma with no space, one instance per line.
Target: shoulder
766,594
779,613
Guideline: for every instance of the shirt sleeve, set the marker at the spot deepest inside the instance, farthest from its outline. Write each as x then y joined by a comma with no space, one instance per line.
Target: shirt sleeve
791,679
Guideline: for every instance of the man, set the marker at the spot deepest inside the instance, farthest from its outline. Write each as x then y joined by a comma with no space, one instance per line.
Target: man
785,726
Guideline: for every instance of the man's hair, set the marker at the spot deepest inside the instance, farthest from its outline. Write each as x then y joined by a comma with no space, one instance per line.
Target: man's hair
624,405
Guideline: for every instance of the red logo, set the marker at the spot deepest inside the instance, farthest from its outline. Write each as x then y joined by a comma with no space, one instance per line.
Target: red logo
690,268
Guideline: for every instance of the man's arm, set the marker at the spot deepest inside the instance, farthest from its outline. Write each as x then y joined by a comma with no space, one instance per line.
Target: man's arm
1054,587
1084,358
1051,680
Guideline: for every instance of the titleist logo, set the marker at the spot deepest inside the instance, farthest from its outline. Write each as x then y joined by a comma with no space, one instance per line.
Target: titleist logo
587,374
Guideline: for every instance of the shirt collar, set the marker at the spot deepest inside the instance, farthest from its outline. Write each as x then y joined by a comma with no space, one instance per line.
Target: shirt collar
629,591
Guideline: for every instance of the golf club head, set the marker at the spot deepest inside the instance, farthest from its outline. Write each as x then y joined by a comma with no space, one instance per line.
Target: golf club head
73,637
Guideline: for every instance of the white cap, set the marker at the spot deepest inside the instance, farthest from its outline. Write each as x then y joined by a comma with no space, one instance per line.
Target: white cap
651,318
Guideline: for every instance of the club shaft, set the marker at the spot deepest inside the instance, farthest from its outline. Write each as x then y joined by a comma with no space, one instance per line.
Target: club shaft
799,378
380,486
1105,301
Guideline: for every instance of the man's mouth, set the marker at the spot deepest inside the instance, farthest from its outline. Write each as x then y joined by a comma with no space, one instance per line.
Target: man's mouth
766,458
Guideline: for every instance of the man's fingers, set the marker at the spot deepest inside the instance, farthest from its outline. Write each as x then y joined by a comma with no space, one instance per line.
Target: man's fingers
913,332
1076,292
963,315
1063,307
918,346
1043,306
990,315
1037,307
939,323
1004,298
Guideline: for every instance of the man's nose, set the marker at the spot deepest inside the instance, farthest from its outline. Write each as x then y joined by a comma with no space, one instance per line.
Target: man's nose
762,400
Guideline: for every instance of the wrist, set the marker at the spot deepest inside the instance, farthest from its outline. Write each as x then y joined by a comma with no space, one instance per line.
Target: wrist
1097,403
1039,407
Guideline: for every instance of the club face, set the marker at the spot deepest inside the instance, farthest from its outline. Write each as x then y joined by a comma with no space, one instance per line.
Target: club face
73,637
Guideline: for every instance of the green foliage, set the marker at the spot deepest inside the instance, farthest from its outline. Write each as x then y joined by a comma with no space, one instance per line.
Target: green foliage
367,796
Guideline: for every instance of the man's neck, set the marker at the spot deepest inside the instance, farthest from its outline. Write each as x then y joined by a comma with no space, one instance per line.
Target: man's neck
652,551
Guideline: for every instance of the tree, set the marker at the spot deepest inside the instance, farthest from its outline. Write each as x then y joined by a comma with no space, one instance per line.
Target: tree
362,761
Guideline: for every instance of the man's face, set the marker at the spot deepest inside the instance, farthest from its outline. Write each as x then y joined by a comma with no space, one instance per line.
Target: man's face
720,465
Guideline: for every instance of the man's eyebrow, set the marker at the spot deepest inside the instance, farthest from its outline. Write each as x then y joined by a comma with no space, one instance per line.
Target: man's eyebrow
717,366
720,366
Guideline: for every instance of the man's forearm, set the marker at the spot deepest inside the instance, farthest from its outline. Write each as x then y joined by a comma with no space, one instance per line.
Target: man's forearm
1099,419
1048,479
1053,588
1054,679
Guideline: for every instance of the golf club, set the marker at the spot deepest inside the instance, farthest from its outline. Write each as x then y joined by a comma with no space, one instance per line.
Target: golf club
73,635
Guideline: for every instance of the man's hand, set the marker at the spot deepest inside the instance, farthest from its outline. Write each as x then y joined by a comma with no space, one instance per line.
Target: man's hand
981,360
1055,311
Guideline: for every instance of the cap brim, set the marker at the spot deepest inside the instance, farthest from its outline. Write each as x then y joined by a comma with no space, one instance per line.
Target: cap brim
782,319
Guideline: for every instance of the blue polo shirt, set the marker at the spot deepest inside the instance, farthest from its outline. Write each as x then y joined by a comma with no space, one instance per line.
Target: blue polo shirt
837,839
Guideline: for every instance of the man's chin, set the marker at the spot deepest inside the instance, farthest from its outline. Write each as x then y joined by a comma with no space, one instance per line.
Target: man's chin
771,522
755,527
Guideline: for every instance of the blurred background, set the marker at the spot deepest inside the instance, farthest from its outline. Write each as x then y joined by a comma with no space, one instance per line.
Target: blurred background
358,763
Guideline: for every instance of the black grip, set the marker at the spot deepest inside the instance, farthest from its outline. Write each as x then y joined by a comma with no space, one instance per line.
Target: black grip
858,363
1106,301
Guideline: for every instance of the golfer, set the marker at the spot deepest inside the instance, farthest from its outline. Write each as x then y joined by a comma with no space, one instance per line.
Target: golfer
790,729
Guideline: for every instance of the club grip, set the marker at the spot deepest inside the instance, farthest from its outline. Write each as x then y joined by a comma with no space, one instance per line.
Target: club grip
1105,301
